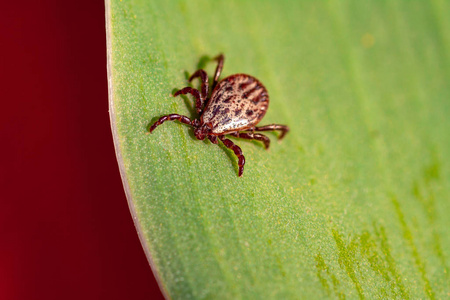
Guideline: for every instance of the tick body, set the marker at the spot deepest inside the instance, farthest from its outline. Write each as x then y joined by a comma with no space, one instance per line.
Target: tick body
234,107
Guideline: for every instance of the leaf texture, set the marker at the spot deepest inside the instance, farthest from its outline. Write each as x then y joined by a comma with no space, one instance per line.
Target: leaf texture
352,204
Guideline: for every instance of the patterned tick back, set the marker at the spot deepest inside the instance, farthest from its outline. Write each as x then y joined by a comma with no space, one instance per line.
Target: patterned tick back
238,102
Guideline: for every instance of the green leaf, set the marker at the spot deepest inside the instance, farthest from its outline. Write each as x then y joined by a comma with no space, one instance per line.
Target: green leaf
353,203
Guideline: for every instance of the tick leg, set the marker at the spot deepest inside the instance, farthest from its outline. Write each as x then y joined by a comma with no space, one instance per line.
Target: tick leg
204,87
220,58
283,128
230,145
253,136
193,92
172,117
213,139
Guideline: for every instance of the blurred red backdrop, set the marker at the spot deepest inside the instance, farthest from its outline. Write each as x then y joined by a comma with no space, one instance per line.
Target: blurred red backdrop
65,228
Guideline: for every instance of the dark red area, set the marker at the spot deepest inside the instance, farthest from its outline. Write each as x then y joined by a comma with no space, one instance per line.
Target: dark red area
65,228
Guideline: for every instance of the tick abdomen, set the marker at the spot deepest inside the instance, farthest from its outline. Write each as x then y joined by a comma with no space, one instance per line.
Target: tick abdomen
238,102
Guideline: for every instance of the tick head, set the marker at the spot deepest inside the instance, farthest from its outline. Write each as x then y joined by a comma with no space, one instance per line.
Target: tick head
202,131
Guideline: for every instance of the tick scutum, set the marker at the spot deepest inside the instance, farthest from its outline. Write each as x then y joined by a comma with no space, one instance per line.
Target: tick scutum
248,95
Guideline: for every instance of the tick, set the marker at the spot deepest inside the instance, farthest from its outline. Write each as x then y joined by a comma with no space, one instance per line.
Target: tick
235,106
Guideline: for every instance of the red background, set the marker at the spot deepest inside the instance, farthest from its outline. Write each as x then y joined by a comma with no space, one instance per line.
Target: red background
65,228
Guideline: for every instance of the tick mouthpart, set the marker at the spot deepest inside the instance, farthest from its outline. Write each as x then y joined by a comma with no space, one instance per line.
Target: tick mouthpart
200,133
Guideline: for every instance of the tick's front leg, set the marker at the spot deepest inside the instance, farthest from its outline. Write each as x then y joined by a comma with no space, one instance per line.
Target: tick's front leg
204,87
193,92
172,117
220,58
230,145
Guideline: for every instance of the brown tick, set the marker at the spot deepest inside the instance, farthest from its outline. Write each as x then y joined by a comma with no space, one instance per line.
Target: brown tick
236,105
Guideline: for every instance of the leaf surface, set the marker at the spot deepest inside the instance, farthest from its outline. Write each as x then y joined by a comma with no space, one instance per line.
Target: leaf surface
353,203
